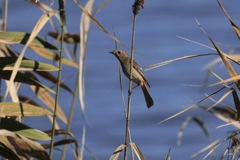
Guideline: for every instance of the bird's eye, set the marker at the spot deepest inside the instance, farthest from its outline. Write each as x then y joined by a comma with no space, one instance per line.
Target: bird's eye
118,52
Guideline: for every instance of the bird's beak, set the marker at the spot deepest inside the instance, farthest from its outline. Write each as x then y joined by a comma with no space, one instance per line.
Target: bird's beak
111,52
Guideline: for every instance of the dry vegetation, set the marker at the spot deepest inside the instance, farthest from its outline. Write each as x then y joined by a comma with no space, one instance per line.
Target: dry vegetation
19,141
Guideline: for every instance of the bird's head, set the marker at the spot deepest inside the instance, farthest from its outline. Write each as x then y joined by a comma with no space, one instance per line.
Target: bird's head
119,54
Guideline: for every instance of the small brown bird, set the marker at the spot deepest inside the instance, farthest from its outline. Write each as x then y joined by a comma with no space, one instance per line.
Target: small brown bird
137,74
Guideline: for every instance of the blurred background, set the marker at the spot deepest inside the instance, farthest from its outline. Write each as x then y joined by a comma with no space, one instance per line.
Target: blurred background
173,87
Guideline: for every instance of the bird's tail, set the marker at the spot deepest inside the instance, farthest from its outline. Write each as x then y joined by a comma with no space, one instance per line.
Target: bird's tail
148,98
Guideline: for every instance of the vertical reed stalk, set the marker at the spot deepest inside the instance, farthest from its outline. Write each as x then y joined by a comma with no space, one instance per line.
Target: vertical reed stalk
135,8
5,16
127,133
63,22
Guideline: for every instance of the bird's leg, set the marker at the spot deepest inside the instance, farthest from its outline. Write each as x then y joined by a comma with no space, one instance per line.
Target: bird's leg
133,88
136,86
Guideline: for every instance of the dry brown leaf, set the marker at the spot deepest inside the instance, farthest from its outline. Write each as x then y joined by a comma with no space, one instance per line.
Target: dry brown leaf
49,101
186,122
117,152
220,100
70,38
235,27
101,6
236,102
98,24
224,58
21,146
137,151
235,78
153,66
84,29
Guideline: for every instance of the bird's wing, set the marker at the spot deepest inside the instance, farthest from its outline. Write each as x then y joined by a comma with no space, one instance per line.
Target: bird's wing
139,70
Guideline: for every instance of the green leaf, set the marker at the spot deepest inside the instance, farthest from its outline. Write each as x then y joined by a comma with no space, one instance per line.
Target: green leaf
22,129
22,109
7,63
22,37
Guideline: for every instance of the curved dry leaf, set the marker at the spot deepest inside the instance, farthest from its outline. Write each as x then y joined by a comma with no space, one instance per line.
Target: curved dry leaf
49,101
84,29
117,152
186,122
24,78
227,115
224,58
48,76
21,109
236,102
98,24
28,100
70,38
21,146
137,151
64,141
235,27
7,153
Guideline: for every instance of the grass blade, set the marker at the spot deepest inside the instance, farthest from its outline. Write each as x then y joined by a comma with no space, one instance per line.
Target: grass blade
84,29
117,152
224,58
22,109
137,151
235,27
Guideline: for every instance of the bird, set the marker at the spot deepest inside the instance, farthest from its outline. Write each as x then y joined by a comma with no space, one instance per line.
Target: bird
137,74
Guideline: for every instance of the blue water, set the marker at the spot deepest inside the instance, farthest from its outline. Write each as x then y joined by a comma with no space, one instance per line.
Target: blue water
157,27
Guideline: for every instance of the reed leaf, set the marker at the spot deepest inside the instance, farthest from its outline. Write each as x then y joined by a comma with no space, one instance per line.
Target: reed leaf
22,38
40,24
224,58
20,146
48,100
117,152
98,24
48,76
7,63
22,129
235,27
24,78
51,55
185,123
137,151
84,29
70,38
22,109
